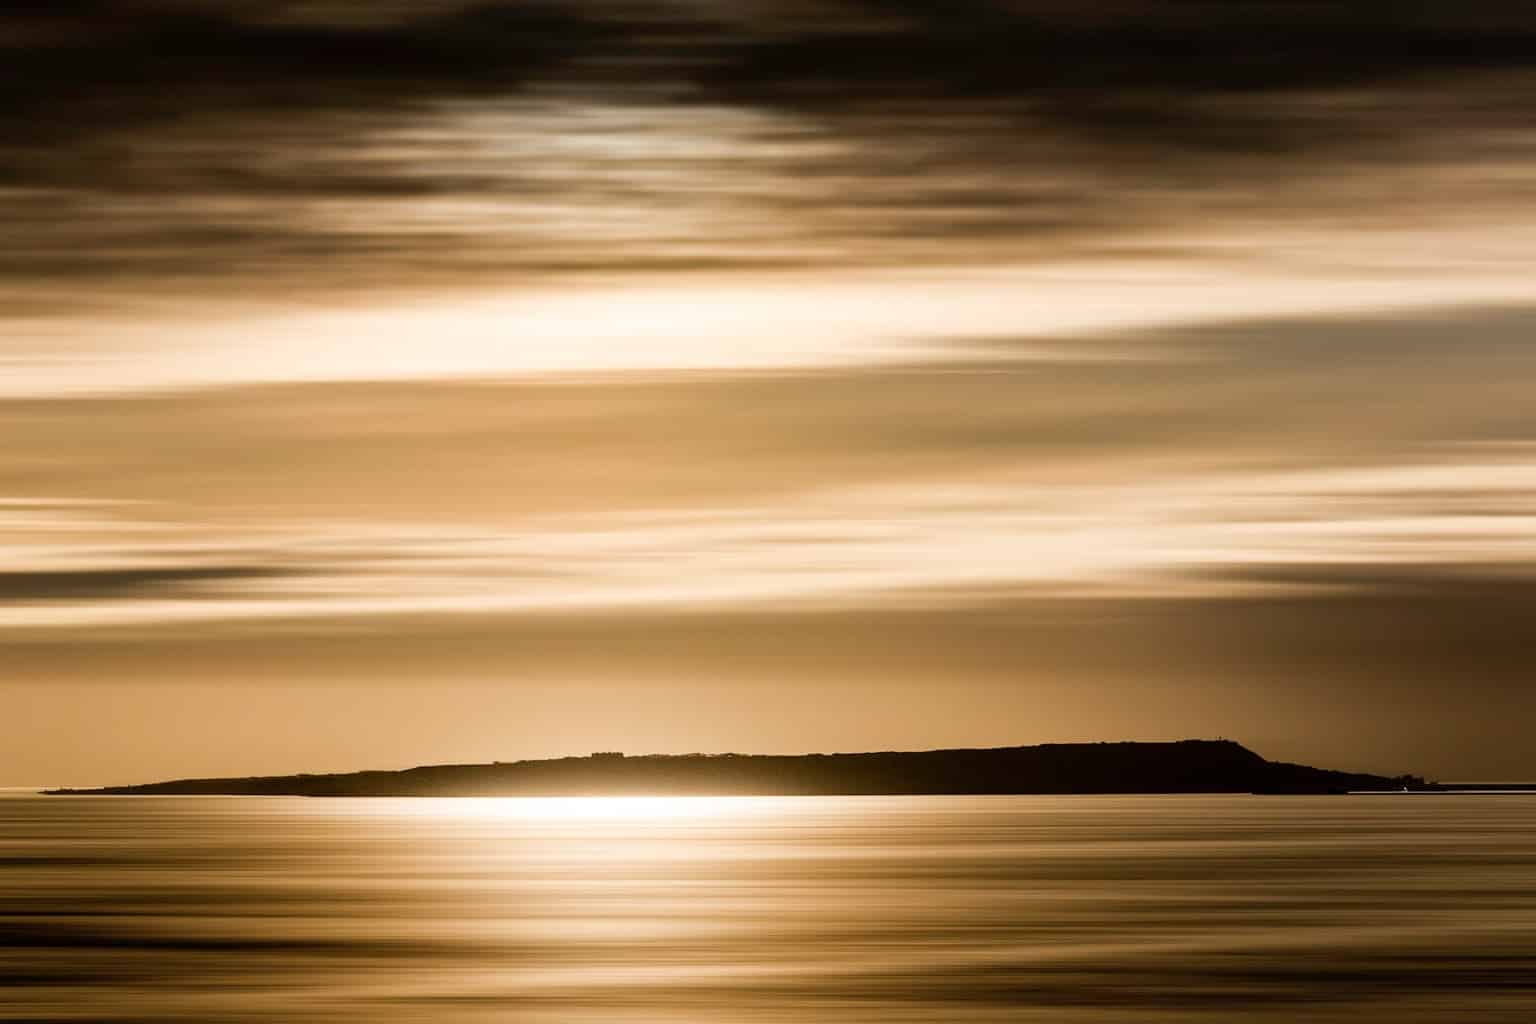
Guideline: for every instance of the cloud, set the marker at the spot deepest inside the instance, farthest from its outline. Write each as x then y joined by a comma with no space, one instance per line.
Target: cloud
1241,528
332,145
1221,533
832,51
999,526
121,584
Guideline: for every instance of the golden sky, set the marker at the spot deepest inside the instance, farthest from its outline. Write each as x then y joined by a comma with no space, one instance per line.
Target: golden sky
444,413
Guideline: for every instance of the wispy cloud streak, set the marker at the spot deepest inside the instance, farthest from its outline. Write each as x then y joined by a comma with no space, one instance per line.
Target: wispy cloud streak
1210,535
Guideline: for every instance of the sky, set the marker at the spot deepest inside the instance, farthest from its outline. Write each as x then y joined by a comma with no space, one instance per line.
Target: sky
425,381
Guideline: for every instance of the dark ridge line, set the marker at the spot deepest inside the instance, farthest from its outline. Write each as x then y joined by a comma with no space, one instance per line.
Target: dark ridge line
1183,766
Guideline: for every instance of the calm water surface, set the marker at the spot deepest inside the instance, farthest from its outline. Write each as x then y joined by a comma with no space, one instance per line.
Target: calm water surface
888,909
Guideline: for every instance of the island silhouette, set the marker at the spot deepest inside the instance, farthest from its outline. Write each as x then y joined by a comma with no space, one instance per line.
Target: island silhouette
1184,766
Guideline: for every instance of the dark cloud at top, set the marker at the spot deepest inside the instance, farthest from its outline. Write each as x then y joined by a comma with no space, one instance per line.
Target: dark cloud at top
165,137
887,48
98,65
1115,61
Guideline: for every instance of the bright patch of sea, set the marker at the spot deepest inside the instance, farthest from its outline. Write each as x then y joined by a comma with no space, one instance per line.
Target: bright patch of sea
1110,910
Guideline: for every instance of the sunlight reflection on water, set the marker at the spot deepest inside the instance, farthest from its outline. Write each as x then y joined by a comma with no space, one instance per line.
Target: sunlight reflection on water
593,809
1100,909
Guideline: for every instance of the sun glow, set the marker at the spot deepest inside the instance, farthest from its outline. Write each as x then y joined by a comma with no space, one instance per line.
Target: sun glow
595,809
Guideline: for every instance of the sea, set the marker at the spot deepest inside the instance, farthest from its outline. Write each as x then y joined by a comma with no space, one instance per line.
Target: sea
750,910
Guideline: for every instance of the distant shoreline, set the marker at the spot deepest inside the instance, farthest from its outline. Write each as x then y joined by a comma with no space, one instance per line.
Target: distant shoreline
1123,768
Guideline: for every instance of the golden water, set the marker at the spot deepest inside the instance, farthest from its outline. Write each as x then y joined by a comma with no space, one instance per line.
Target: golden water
657,911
